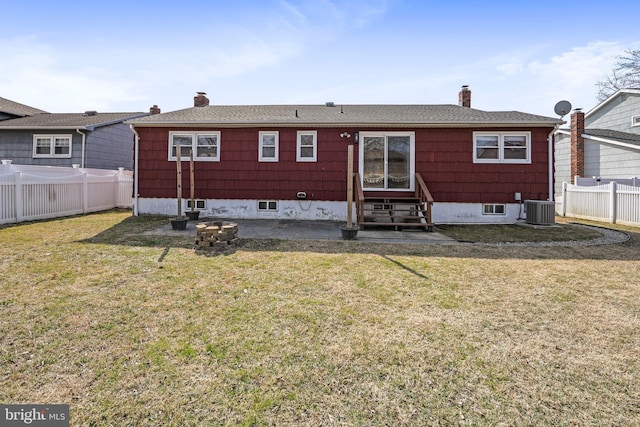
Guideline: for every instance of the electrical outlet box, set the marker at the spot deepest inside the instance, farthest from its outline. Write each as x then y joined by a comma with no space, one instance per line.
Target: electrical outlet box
518,197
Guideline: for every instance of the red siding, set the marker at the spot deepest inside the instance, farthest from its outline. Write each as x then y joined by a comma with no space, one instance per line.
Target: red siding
444,158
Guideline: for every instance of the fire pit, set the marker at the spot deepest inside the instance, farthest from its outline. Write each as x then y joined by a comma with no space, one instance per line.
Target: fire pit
216,234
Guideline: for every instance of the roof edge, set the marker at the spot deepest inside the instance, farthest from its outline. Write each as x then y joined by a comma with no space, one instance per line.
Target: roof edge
345,124
611,98
611,141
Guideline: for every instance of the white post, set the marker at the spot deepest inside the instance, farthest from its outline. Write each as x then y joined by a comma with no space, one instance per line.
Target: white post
613,202
564,198
85,193
18,197
118,181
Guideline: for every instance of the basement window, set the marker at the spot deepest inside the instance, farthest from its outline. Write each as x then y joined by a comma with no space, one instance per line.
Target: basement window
635,121
494,209
267,206
200,204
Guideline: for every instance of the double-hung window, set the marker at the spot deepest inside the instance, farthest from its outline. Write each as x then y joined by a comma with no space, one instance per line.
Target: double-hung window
268,146
502,147
205,146
52,146
307,146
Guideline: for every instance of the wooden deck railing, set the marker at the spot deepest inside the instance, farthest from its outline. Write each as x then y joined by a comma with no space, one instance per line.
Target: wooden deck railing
422,193
359,198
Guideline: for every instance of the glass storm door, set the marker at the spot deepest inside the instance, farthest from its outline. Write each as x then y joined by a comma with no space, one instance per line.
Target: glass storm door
387,161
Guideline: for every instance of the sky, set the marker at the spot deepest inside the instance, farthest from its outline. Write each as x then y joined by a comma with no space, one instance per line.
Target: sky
122,56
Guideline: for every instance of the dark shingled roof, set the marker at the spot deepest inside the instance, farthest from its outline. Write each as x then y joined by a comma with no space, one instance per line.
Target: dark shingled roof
68,120
614,135
323,115
17,109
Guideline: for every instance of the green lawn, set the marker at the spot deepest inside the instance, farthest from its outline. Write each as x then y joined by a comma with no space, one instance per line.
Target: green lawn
141,330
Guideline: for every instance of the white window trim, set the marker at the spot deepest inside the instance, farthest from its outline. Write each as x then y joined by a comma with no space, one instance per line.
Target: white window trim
277,138
299,157
493,209
412,155
635,121
269,204
52,152
194,146
501,158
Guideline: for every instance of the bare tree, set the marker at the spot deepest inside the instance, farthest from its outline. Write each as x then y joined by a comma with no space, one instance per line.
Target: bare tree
625,74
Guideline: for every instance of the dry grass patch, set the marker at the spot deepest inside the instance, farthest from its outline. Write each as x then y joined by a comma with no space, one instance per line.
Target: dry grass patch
133,329
514,233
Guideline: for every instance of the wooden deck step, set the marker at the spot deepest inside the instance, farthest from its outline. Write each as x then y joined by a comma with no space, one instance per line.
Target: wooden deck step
396,212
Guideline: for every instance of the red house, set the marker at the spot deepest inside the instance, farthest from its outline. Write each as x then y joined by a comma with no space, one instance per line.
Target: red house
413,164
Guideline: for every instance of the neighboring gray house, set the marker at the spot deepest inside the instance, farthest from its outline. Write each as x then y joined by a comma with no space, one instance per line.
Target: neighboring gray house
604,142
90,139
13,110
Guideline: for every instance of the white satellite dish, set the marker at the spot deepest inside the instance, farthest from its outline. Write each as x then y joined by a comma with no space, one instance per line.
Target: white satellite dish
562,108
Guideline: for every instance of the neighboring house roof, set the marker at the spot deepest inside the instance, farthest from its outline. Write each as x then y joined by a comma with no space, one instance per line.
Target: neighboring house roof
87,121
17,109
630,138
611,98
608,136
328,115
624,139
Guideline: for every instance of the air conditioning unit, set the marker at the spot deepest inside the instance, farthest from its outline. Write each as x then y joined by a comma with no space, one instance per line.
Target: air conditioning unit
540,212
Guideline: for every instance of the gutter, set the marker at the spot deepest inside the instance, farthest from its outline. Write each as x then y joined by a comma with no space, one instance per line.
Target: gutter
136,151
84,141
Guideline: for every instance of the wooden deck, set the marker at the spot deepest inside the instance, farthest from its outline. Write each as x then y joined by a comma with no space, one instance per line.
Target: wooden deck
395,212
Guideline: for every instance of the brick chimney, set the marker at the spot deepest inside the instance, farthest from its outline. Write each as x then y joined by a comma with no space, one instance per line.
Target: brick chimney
200,100
577,143
464,97
154,110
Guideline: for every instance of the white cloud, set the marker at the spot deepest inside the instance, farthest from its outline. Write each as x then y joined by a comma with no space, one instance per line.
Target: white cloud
580,66
534,78
35,74
110,75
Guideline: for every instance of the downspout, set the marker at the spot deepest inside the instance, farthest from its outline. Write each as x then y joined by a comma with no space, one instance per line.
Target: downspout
550,140
84,139
136,150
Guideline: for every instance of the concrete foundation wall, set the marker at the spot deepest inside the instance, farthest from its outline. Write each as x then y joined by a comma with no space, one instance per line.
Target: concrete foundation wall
443,213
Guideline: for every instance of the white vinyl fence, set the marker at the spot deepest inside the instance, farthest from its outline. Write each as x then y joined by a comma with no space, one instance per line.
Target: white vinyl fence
37,192
612,202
